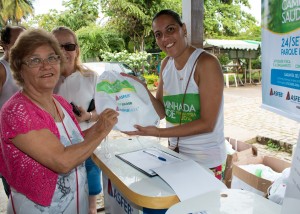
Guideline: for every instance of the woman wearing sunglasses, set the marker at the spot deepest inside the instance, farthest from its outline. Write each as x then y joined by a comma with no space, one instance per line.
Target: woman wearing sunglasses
42,148
77,85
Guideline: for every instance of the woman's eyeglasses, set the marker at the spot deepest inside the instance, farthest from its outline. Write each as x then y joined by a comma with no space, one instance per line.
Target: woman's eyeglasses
35,62
69,47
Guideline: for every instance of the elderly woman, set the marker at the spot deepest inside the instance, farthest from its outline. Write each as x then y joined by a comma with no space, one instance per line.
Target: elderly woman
42,146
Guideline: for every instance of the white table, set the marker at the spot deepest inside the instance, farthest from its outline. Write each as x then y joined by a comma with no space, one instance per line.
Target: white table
230,201
127,190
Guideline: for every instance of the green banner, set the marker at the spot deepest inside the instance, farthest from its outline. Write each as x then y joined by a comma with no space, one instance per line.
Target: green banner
282,15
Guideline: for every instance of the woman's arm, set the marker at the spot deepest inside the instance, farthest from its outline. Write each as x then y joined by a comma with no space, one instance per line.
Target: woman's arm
208,76
44,147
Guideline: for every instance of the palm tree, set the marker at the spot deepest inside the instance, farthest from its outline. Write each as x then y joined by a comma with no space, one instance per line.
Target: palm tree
12,11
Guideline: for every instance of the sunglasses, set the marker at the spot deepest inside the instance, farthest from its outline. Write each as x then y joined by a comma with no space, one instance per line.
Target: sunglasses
69,47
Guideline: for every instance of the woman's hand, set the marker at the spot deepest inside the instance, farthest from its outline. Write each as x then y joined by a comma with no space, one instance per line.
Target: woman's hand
135,78
107,120
145,131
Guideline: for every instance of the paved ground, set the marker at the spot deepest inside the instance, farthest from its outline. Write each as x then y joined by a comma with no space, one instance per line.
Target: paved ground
244,120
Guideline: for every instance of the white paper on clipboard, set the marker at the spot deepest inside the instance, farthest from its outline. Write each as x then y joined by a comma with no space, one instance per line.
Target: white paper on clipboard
145,162
188,179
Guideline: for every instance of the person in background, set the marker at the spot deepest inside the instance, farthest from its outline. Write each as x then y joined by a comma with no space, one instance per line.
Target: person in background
8,87
190,94
77,85
41,142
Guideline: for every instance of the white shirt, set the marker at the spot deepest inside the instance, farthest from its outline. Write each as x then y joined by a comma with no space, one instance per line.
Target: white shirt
208,149
79,89
9,87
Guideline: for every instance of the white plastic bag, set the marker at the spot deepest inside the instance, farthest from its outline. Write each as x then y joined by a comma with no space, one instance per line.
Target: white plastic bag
277,190
126,96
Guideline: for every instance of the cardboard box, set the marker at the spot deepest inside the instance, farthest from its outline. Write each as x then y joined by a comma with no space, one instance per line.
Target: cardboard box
243,150
258,183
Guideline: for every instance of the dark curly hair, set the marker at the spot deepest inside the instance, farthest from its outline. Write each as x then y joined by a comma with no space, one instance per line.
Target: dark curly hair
171,13
6,34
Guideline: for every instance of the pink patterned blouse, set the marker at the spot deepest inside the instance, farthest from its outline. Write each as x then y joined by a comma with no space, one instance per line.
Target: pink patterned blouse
18,116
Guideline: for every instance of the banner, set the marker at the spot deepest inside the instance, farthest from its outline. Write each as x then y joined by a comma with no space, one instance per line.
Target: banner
281,57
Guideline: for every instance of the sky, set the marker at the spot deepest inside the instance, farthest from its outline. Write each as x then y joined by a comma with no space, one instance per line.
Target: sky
255,9
43,6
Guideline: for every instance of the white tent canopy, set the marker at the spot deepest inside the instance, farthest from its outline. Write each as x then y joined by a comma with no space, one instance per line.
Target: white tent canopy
247,49
232,44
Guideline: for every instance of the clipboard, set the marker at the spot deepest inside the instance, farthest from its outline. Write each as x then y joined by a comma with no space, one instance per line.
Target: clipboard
147,159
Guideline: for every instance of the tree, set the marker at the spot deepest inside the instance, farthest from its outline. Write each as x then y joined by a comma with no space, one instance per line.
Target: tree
46,21
12,11
79,13
254,32
133,18
94,40
224,19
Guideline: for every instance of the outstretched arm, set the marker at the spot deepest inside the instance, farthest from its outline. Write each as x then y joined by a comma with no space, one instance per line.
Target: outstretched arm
44,147
209,78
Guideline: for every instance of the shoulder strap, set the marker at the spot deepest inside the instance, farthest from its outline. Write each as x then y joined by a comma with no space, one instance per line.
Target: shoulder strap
177,148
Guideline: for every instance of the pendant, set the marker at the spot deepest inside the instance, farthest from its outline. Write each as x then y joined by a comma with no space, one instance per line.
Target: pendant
181,78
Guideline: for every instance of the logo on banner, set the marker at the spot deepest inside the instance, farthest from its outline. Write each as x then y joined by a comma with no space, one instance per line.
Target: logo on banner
276,93
113,192
293,98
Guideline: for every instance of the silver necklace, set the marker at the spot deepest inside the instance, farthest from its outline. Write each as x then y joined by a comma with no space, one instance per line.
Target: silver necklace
53,109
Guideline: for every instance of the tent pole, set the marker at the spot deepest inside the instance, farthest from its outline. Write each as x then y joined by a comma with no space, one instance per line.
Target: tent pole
250,78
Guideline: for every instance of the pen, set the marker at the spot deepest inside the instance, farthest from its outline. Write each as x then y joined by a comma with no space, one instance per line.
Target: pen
160,158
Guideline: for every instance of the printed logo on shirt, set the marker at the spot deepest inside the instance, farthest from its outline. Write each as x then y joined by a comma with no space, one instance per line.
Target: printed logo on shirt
190,108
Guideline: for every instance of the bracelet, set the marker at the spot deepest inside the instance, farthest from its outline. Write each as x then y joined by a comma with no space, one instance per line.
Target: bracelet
90,119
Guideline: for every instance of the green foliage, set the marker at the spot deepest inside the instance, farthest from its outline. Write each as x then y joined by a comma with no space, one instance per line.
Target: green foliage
137,61
91,41
256,63
132,21
253,32
162,55
46,21
94,40
12,12
151,78
223,19
134,18
273,146
79,13
224,58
